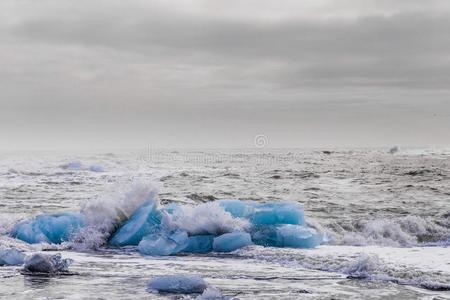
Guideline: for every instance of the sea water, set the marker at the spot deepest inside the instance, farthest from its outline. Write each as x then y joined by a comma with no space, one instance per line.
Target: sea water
384,217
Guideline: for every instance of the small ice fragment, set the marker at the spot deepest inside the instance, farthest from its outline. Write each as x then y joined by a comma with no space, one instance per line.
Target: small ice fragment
292,236
145,220
46,263
231,241
212,294
96,168
49,228
184,284
278,213
164,243
11,257
200,244
76,165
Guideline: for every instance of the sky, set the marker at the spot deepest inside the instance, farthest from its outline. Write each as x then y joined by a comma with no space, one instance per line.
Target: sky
216,74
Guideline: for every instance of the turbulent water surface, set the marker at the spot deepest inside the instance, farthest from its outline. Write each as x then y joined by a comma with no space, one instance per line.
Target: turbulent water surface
386,218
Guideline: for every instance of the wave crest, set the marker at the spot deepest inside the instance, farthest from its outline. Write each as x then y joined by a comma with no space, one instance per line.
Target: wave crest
405,231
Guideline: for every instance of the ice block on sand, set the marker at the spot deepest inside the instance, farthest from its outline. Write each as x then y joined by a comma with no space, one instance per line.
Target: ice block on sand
200,244
11,257
164,243
231,241
184,284
292,236
50,228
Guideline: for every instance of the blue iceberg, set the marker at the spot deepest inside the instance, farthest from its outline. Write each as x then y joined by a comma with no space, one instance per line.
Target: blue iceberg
49,228
200,244
231,241
164,243
11,257
292,236
144,221
185,284
278,213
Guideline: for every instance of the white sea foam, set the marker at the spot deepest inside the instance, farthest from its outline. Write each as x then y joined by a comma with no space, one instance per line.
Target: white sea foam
104,214
207,218
212,294
406,231
411,266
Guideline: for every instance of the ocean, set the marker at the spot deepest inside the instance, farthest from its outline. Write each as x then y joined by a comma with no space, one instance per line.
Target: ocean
385,218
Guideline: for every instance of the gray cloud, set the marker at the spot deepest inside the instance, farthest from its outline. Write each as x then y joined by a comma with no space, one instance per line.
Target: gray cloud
204,68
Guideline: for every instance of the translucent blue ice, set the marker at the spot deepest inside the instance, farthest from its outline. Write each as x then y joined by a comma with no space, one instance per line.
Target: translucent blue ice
278,213
164,243
231,241
145,220
50,228
292,236
238,208
265,214
96,168
11,257
76,165
200,244
185,284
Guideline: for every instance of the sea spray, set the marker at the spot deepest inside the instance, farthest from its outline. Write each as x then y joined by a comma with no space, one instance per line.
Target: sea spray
105,214
204,219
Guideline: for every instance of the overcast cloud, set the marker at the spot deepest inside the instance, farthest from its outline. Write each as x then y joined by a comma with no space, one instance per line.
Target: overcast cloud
101,74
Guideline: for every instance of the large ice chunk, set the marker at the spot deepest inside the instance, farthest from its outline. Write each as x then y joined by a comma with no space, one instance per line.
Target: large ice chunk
50,228
293,236
164,243
278,213
46,263
185,284
144,221
11,257
231,241
200,244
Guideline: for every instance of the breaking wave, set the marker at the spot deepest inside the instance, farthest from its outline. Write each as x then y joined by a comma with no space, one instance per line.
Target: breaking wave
207,218
104,214
400,232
